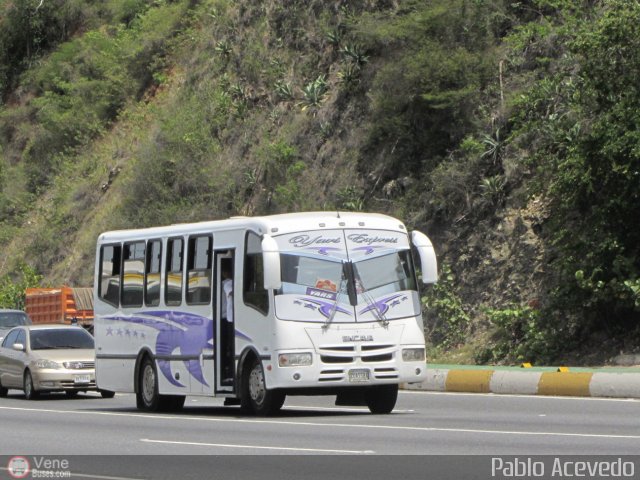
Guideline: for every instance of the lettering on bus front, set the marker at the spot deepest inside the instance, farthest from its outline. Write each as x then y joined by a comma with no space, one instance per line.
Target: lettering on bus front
369,240
307,241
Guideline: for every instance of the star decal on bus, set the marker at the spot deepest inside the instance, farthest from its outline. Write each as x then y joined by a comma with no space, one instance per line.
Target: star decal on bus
187,332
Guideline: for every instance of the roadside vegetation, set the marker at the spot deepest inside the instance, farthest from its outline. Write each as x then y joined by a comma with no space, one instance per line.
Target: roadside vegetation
508,131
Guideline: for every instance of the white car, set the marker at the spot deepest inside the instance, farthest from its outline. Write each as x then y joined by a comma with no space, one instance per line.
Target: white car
10,319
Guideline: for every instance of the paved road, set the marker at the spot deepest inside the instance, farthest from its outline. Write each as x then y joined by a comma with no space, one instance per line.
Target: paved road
308,429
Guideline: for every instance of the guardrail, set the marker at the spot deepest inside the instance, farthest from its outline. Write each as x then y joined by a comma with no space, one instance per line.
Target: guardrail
579,382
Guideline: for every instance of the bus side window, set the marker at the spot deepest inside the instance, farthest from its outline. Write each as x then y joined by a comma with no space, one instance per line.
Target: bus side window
199,270
132,274
173,279
109,278
152,273
253,291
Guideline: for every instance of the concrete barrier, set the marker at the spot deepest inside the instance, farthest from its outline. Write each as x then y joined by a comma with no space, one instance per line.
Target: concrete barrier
541,381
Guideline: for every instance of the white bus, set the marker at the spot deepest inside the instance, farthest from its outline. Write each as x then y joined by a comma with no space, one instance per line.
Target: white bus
322,303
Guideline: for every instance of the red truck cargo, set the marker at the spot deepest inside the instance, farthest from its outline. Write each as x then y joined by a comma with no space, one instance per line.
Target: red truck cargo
60,305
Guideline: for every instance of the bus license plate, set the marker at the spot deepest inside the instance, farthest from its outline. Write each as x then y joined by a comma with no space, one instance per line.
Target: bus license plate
358,375
82,379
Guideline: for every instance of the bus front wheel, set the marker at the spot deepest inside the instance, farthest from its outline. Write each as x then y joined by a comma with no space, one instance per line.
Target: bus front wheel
256,397
382,398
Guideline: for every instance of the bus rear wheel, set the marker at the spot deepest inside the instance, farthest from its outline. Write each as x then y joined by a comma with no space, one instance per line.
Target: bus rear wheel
256,397
381,399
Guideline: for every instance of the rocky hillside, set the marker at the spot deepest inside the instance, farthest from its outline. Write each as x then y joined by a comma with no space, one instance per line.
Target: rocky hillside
505,130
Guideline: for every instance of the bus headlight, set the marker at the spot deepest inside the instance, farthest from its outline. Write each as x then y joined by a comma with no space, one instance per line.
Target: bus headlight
294,359
413,355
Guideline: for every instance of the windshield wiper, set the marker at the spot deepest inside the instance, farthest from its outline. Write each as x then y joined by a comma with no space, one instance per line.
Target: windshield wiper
380,316
373,306
334,308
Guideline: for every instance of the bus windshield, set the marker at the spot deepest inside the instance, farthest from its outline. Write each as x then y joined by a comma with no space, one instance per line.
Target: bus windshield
302,272
393,271
339,290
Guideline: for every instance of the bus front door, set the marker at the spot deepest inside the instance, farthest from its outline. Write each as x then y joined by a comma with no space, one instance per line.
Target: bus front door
225,323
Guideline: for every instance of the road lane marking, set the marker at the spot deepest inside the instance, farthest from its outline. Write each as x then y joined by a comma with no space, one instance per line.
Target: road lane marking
325,425
513,395
258,447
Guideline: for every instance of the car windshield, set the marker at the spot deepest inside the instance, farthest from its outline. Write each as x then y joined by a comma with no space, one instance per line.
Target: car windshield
13,319
60,338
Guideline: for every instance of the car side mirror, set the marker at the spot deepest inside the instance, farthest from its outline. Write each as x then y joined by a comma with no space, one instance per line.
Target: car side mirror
18,347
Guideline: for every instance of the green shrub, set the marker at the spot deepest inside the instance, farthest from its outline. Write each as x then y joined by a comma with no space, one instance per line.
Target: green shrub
517,335
586,157
13,287
447,322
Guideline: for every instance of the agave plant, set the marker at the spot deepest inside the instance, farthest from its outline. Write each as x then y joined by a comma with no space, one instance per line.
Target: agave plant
492,187
494,144
223,47
314,92
283,90
238,91
349,74
355,53
334,36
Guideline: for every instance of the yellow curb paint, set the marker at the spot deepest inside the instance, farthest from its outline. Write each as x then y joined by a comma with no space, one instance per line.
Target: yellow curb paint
475,381
563,369
574,384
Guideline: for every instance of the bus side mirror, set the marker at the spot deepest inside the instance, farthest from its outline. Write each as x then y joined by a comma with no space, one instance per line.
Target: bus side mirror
428,262
271,259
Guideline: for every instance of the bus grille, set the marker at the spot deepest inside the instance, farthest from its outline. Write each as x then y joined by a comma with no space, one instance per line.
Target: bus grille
334,375
385,373
387,357
332,359
344,354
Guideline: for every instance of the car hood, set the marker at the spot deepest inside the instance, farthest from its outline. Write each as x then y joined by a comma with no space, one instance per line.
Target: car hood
66,355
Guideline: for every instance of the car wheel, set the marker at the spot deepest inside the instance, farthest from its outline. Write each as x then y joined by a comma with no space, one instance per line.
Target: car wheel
107,394
30,392
381,398
3,391
256,397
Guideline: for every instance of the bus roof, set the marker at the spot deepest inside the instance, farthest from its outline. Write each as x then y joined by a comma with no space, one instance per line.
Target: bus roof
271,224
